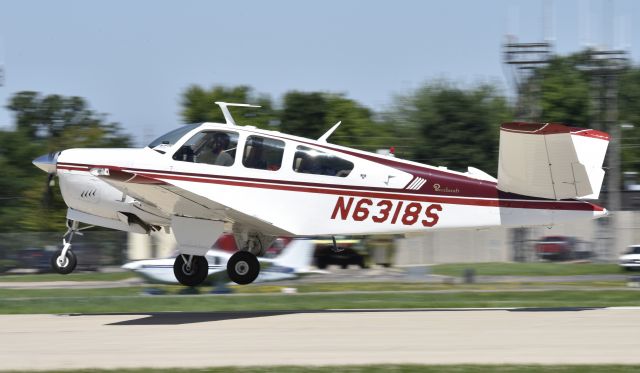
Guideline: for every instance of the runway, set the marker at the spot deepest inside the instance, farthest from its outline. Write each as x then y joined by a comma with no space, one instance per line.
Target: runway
331,337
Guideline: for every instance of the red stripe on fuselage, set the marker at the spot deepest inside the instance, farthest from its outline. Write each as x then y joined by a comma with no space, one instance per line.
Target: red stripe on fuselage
348,190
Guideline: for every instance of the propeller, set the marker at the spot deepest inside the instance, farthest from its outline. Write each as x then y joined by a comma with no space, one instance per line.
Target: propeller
47,163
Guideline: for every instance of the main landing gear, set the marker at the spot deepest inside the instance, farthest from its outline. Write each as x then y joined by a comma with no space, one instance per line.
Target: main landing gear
243,267
190,270
64,260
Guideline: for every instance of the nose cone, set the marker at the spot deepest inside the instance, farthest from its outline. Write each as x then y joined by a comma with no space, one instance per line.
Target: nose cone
47,162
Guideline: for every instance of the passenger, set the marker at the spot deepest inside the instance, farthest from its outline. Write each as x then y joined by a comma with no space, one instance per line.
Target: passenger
254,153
215,152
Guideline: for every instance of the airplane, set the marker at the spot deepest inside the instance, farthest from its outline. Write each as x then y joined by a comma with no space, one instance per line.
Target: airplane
201,180
294,261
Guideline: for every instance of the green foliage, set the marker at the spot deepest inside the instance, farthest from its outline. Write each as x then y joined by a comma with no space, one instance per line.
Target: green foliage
199,105
629,105
126,300
311,114
565,92
439,123
527,269
566,97
44,124
304,114
454,127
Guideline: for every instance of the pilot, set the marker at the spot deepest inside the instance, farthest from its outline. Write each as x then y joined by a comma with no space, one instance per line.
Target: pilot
215,152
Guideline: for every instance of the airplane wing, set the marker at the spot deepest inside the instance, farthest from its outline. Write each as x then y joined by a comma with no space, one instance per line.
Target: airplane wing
174,200
160,271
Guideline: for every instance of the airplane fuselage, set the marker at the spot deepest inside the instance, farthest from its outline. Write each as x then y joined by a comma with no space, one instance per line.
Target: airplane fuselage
380,194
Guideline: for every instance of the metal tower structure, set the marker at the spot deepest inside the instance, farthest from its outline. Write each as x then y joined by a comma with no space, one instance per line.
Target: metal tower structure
522,62
604,68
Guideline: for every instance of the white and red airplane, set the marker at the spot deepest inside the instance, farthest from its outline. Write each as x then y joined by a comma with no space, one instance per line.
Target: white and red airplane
293,261
202,179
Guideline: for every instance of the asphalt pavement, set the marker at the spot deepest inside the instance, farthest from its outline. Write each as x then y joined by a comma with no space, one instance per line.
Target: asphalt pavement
327,337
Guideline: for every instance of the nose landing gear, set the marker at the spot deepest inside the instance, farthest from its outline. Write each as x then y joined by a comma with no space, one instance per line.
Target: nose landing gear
64,261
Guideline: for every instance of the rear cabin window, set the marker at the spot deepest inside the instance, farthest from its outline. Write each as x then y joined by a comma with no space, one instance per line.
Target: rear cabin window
263,153
311,161
216,148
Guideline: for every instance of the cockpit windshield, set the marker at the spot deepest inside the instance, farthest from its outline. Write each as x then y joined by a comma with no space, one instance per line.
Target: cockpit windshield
170,138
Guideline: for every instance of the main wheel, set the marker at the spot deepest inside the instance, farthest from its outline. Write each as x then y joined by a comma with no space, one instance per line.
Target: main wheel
243,267
64,265
192,275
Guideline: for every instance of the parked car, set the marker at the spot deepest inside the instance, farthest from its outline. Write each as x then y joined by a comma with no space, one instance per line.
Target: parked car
562,248
324,255
33,258
630,260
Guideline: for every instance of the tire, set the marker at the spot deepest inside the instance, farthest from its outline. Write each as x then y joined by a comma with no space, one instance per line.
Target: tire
321,263
361,263
243,267
197,273
68,266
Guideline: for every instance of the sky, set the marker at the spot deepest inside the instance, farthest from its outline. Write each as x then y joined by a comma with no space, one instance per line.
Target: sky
133,59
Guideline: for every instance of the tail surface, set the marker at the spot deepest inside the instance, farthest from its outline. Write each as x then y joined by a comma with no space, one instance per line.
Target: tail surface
550,160
297,255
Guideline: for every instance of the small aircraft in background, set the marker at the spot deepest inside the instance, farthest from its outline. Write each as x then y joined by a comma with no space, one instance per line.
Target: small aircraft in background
200,180
294,261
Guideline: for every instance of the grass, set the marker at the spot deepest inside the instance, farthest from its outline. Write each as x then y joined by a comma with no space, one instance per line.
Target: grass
527,269
481,269
420,286
88,276
123,300
404,368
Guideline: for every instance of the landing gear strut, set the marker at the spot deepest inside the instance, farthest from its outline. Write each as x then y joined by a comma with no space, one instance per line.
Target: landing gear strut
243,267
64,261
190,270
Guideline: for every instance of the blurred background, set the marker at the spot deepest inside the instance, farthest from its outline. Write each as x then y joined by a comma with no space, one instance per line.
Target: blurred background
432,80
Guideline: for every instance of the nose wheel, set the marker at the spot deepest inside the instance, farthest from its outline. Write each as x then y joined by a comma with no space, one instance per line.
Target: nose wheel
243,267
190,270
64,261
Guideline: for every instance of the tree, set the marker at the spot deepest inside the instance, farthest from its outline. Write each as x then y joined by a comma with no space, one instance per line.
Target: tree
198,105
311,114
453,127
44,124
629,111
566,98
304,114
565,91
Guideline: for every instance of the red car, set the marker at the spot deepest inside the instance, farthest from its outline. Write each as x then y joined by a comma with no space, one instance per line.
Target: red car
561,248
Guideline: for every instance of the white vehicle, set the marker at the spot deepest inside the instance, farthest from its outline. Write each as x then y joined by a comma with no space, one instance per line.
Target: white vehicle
294,261
631,259
260,184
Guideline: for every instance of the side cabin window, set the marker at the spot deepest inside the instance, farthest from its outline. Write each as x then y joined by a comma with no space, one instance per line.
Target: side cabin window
263,153
311,161
211,147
